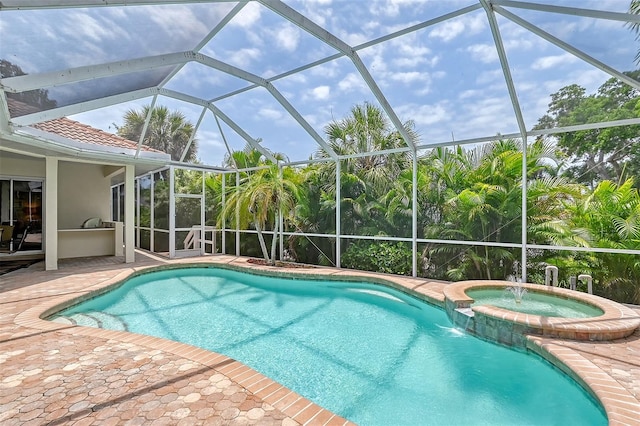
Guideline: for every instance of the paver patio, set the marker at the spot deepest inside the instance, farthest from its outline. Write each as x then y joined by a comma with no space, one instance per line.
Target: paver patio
55,374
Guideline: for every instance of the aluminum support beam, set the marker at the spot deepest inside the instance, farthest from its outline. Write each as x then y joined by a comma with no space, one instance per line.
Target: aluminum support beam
145,127
4,113
567,47
298,117
193,134
338,214
506,70
64,4
374,42
414,213
224,139
325,36
259,81
192,99
172,212
229,16
90,72
589,13
65,111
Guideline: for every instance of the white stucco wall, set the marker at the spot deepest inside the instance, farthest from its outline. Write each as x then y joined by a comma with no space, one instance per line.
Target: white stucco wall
83,192
13,166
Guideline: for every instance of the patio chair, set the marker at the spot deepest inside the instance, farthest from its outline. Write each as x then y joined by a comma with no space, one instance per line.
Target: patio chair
6,235
17,242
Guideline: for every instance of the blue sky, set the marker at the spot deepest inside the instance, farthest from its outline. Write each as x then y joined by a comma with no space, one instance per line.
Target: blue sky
446,77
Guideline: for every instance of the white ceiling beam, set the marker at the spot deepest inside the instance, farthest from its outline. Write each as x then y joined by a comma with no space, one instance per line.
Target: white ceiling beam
193,135
588,126
279,76
325,36
192,99
240,131
564,10
567,47
259,81
229,69
224,139
539,132
298,117
182,97
355,48
228,17
90,72
64,4
4,113
65,111
308,25
382,100
419,26
145,126
506,70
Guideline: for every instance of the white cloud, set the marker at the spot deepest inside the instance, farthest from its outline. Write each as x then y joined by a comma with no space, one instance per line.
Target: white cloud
448,30
547,62
391,8
172,22
319,11
328,70
287,37
321,93
486,77
248,16
424,115
410,77
243,57
294,78
485,53
352,38
270,113
352,83
472,93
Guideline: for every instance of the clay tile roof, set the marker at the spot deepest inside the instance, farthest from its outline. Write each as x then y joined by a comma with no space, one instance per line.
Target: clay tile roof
76,131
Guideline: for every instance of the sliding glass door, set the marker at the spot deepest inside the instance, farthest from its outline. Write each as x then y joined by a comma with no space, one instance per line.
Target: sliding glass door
21,214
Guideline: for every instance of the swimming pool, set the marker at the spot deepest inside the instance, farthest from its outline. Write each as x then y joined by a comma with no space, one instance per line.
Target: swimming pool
368,353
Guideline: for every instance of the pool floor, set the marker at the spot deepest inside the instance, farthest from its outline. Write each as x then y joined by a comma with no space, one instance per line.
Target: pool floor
98,376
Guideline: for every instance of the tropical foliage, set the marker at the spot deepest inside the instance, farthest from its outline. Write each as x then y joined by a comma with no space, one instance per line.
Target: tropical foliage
168,131
581,193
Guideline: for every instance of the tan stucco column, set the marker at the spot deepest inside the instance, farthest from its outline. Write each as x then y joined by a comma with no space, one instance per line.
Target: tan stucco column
129,214
51,214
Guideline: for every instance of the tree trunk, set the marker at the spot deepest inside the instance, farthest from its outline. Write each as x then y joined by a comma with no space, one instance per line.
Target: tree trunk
263,246
273,242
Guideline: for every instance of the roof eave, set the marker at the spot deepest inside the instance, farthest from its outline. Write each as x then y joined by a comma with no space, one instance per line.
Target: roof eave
71,148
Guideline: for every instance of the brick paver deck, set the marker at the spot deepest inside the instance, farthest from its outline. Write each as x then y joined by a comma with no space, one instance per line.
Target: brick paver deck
56,374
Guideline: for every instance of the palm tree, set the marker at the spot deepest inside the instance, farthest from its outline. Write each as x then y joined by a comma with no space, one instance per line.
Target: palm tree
481,200
611,216
634,8
365,180
261,198
167,131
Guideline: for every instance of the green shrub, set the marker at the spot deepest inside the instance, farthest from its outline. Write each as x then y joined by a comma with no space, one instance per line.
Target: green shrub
379,257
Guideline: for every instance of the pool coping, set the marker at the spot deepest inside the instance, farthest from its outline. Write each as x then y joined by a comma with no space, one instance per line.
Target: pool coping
620,405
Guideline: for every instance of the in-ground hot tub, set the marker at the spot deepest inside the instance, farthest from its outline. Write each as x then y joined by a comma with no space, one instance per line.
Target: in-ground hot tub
592,318
519,299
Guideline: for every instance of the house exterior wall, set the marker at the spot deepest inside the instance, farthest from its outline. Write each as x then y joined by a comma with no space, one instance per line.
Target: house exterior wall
15,166
83,192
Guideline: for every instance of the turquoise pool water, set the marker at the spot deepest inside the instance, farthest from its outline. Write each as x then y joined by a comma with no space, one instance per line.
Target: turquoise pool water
534,303
370,354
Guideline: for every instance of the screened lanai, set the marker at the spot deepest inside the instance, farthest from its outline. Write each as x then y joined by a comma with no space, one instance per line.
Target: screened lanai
404,123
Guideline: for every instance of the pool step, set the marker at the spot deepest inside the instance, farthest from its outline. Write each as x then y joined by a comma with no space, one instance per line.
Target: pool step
98,320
